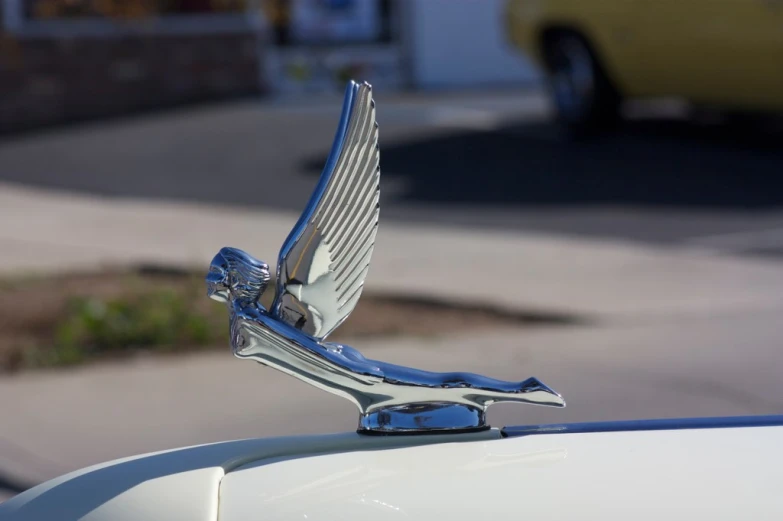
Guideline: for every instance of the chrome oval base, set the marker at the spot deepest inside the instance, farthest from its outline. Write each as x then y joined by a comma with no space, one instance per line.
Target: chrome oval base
415,418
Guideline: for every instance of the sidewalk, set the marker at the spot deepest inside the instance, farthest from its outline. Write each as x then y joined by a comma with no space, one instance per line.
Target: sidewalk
45,231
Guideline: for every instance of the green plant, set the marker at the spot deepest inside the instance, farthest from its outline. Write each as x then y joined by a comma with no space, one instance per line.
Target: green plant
159,320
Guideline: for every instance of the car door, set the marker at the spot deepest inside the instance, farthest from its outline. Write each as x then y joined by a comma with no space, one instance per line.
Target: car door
723,52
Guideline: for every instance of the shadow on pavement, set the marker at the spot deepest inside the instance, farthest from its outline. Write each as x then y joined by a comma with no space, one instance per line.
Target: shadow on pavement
9,484
657,163
270,164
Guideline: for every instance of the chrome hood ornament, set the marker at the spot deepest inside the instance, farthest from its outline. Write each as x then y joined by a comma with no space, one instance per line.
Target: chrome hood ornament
320,275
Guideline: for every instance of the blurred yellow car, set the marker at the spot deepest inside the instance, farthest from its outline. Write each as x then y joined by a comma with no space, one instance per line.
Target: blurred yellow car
724,53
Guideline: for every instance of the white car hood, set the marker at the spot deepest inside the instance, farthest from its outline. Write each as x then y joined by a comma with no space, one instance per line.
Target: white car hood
715,474
181,484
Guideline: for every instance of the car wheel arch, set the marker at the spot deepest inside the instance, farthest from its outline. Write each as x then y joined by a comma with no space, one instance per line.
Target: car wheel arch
548,32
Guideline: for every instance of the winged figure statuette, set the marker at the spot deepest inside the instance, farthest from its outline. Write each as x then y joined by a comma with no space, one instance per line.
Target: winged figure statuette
320,275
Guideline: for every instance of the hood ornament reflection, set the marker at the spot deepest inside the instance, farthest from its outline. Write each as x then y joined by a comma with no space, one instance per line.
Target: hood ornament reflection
320,275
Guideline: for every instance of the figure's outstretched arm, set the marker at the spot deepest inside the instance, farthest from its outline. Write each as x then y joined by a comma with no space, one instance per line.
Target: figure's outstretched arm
481,389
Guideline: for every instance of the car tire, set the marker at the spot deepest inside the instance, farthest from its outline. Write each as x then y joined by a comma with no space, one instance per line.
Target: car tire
585,99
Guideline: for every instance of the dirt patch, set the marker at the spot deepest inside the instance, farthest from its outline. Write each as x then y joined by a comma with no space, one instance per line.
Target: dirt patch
76,318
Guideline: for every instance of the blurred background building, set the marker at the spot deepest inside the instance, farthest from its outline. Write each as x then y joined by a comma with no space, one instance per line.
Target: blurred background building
65,60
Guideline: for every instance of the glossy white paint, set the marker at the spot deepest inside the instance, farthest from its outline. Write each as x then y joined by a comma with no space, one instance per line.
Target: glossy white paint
714,474
711,474
141,487
181,484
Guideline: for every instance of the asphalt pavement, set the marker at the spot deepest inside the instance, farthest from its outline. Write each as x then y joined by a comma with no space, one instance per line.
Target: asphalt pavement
489,159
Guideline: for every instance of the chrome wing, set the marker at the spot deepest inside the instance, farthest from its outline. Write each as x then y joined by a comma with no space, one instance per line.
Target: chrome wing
324,261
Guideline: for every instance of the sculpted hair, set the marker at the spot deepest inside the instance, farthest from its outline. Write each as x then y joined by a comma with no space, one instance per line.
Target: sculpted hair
249,276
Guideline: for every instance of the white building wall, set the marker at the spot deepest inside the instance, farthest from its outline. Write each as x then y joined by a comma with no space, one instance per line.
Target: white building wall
461,43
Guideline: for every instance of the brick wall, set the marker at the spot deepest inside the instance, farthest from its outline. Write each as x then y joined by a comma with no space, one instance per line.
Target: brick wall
46,80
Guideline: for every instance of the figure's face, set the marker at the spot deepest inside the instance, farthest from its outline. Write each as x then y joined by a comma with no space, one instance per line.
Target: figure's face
218,284
235,275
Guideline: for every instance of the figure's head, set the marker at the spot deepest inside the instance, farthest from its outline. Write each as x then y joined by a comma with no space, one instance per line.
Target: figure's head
233,274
